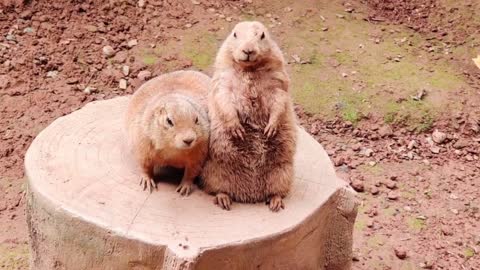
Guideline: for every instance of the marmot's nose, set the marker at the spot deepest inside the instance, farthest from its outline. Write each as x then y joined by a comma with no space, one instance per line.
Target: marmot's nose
188,141
247,52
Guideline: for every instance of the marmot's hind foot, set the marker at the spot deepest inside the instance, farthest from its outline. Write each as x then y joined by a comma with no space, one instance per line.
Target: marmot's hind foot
276,203
148,182
223,200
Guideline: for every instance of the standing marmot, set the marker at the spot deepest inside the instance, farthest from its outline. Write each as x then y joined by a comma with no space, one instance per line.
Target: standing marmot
252,123
167,125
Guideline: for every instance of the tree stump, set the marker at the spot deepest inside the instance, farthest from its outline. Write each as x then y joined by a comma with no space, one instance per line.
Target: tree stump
86,209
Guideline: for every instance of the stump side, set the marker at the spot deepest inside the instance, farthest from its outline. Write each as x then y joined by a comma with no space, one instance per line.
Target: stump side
86,210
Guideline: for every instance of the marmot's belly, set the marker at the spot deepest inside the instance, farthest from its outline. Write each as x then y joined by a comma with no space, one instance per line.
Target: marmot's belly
240,167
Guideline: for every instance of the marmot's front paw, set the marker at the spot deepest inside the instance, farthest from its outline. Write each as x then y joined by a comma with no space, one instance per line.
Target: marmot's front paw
184,189
223,200
148,182
276,203
270,129
235,129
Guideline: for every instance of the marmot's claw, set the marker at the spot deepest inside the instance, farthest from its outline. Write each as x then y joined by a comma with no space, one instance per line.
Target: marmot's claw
184,189
223,200
147,182
238,132
276,203
270,130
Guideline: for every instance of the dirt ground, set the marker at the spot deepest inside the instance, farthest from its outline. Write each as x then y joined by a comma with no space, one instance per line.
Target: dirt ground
387,87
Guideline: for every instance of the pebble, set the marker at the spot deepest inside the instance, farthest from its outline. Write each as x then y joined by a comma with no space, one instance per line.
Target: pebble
446,230
372,163
132,43
122,84
125,70
392,195
374,190
439,137
228,19
144,75
72,80
52,74
28,30
141,3
461,143
10,37
368,152
108,51
400,252
435,149
88,90
357,185
391,184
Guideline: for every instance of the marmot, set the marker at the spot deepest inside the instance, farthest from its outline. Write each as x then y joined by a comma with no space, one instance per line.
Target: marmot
167,125
252,122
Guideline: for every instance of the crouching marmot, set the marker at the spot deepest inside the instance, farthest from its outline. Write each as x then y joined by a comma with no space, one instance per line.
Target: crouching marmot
252,123
167,125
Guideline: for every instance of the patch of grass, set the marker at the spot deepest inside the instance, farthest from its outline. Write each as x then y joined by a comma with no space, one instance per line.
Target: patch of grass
16,257
376,241
201,49
360,224
149,59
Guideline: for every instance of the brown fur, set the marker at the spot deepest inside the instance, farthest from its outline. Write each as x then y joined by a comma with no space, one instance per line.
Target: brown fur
253,130
178,97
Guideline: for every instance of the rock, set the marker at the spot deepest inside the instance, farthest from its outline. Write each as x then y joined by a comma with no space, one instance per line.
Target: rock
122,84
392,195
357,185
374,190
385,131
88,90
368,152
228,19
372,163
461,143
132,43
391,184
400,252
412,144
144,75
188,25
91,28
72,80
108,51
141,3
439,137
28,30
447,230
52,74
435,149
27,14
11,37
125,70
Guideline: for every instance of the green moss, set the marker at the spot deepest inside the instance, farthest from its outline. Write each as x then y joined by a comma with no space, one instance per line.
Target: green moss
149,59
416,224
201,49
469,252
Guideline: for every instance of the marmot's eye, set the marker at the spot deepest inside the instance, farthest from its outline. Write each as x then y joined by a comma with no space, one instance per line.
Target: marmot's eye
263,35
196,120
169,121
234,35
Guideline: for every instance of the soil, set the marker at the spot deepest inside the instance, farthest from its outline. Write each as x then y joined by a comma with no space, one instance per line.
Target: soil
418,192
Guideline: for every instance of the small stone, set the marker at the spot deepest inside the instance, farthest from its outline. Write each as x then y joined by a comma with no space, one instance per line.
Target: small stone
27,14
439,137
447,231
400,252
455,211
368,152
91,28
28,30
122,84
461,143
228,19
372,163
72,80
125,70
385,131
412,144
374,190
52,74
344,75
357,185
407,208
435,149
88,90
324,29
132,43
195,2
10,37
188,25
108,51
141,3
392,195
391,184
144,75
